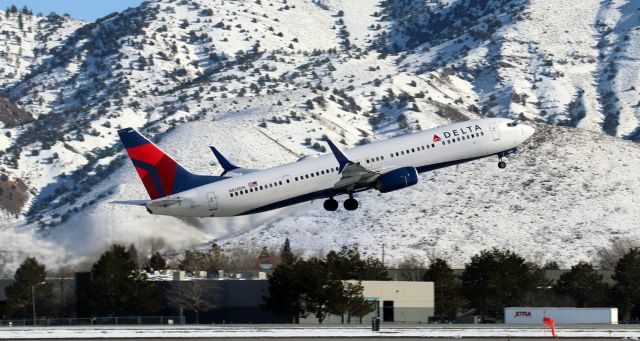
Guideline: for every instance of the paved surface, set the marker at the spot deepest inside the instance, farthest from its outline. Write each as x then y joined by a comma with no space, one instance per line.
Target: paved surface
318,333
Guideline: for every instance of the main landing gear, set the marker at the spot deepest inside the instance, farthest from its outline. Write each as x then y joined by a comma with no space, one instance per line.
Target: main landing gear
502,164
330,204
350,204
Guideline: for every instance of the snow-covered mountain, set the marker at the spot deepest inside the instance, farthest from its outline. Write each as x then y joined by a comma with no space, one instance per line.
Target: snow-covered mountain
265,80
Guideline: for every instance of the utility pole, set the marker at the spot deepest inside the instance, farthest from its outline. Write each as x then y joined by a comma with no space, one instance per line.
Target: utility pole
382,254
33,301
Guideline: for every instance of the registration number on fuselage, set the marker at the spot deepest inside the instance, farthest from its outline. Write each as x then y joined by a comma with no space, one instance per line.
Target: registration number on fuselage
236,189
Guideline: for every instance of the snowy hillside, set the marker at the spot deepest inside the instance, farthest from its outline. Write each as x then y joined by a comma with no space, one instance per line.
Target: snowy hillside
265,80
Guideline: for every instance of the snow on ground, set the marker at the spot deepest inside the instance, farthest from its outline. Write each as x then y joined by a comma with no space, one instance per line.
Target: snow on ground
572,192
188,332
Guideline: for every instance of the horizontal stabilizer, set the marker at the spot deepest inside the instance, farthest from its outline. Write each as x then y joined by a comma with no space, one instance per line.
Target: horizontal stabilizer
165,202
131,202
162,202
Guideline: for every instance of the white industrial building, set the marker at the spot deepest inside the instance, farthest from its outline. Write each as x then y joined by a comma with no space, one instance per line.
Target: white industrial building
398,301
529,315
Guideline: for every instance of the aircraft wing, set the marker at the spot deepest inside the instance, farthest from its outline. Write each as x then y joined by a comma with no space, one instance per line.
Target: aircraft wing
354,174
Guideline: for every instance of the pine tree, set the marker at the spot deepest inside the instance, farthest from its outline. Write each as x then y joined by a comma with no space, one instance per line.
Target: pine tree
626,291
19,299
133,254
265,256
447,292
286,256
347,264
584,285
286,291
119,288
156,262
496,279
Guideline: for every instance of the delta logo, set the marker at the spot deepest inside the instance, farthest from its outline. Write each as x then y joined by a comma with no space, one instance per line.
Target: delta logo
436,138
523,313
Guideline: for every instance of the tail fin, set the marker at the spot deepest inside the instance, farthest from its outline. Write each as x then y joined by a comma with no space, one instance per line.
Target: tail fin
160,174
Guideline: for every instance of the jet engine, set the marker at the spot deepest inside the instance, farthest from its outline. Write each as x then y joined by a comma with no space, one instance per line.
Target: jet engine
397,179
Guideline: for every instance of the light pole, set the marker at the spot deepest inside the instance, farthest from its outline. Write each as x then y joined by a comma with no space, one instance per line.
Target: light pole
33,300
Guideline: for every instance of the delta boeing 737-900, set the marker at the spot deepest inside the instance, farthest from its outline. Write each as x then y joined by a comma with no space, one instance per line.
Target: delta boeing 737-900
386,166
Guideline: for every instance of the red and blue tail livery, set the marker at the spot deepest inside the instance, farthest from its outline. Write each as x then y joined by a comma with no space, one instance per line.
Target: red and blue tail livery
161,175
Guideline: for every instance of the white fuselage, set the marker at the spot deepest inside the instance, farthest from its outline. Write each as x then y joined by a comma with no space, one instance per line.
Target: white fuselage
314,177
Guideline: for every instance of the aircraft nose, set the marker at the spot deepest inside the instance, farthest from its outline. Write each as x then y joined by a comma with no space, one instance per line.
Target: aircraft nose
527,131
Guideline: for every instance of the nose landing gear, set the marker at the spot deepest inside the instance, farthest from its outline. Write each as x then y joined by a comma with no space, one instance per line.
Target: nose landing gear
502,164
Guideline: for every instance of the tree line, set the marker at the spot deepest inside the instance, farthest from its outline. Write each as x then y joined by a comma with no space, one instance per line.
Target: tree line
330,284
495,279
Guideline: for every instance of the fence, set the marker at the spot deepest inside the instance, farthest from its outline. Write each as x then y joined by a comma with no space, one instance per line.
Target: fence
117,320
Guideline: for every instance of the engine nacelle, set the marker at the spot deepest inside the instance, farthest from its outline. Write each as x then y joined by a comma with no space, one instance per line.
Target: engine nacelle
397,179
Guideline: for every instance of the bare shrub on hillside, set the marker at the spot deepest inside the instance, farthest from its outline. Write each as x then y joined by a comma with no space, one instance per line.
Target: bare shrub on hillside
608,256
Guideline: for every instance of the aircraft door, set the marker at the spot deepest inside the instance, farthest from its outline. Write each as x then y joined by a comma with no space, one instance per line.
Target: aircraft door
213,203
494,132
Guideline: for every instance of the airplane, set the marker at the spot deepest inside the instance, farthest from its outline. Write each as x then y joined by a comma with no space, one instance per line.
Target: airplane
386,166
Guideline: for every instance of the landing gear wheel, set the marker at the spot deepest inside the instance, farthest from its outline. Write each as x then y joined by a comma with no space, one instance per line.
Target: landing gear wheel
330,204
350,204
502,164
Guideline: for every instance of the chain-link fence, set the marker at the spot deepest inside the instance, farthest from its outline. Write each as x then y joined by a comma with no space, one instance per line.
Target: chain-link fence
111,320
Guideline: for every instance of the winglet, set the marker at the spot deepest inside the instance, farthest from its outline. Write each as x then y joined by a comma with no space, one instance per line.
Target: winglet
342,159
228,166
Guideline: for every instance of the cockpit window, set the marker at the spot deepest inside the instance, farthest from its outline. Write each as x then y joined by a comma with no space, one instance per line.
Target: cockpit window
512,124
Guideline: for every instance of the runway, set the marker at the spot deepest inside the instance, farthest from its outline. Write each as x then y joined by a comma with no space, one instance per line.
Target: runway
314,332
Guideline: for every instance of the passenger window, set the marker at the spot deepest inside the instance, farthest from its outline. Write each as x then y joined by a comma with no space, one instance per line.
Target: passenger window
433,145
288,181
296,178
367,160
280,183
261,188
306,176
398,154
413,150
458,139
231,194
382,158
250,189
